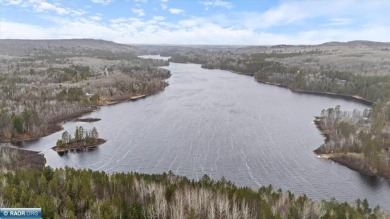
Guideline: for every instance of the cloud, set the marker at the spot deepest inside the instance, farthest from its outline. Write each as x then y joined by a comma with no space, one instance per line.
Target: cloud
139,12
290,22
159,18
164,4
189,31
103,2
13,30
217,3
96,18
176,11
13,2
44,6
338,22
281,15
143,1
298,15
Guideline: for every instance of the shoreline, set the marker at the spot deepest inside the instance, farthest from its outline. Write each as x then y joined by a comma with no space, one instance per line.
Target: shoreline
57,122
319,93
79,146
132,98
22,159
355,98
56,126
88,120
35,160
31,136
317,121
342,159
351,160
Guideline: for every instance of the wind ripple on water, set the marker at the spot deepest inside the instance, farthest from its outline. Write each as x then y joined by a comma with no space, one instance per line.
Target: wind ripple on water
222,124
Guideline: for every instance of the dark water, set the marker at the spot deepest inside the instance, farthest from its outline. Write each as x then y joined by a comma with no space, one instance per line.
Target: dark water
222,124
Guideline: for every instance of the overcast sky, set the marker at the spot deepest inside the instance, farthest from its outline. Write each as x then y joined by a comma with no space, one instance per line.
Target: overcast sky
240,22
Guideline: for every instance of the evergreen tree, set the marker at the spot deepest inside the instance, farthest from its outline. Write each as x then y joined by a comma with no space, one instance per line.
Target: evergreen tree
94,133
66,137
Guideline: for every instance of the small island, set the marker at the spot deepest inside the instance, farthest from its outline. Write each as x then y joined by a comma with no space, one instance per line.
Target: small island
89,119
83,140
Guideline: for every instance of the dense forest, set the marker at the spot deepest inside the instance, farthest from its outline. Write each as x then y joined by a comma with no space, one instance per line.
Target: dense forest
70,193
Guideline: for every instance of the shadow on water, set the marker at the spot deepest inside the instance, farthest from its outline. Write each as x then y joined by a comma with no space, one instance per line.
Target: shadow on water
18,144
21,144
372,182
31,141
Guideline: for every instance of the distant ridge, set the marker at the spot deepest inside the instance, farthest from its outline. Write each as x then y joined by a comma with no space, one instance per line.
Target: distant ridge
25,47
356,43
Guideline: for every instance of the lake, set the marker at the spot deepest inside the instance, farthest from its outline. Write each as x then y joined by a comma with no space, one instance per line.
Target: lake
222,124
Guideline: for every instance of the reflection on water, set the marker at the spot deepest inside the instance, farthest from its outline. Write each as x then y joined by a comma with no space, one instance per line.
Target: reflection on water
222,124
371,181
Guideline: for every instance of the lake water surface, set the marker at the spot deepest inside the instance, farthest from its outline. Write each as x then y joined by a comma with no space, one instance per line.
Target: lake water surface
222,124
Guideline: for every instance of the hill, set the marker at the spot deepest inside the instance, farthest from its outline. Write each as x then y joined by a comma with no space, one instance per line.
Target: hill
14,47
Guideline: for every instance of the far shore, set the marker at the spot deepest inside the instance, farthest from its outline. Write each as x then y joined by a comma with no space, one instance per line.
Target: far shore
355,98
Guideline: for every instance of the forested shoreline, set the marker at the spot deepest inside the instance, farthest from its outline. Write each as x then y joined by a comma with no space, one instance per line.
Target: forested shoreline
44,83
370,88
358,140
47,84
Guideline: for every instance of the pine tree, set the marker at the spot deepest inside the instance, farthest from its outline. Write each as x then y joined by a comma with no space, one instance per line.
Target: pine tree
79,133
66,137
94,133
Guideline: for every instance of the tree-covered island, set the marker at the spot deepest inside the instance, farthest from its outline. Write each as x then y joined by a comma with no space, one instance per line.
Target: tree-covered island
83,140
